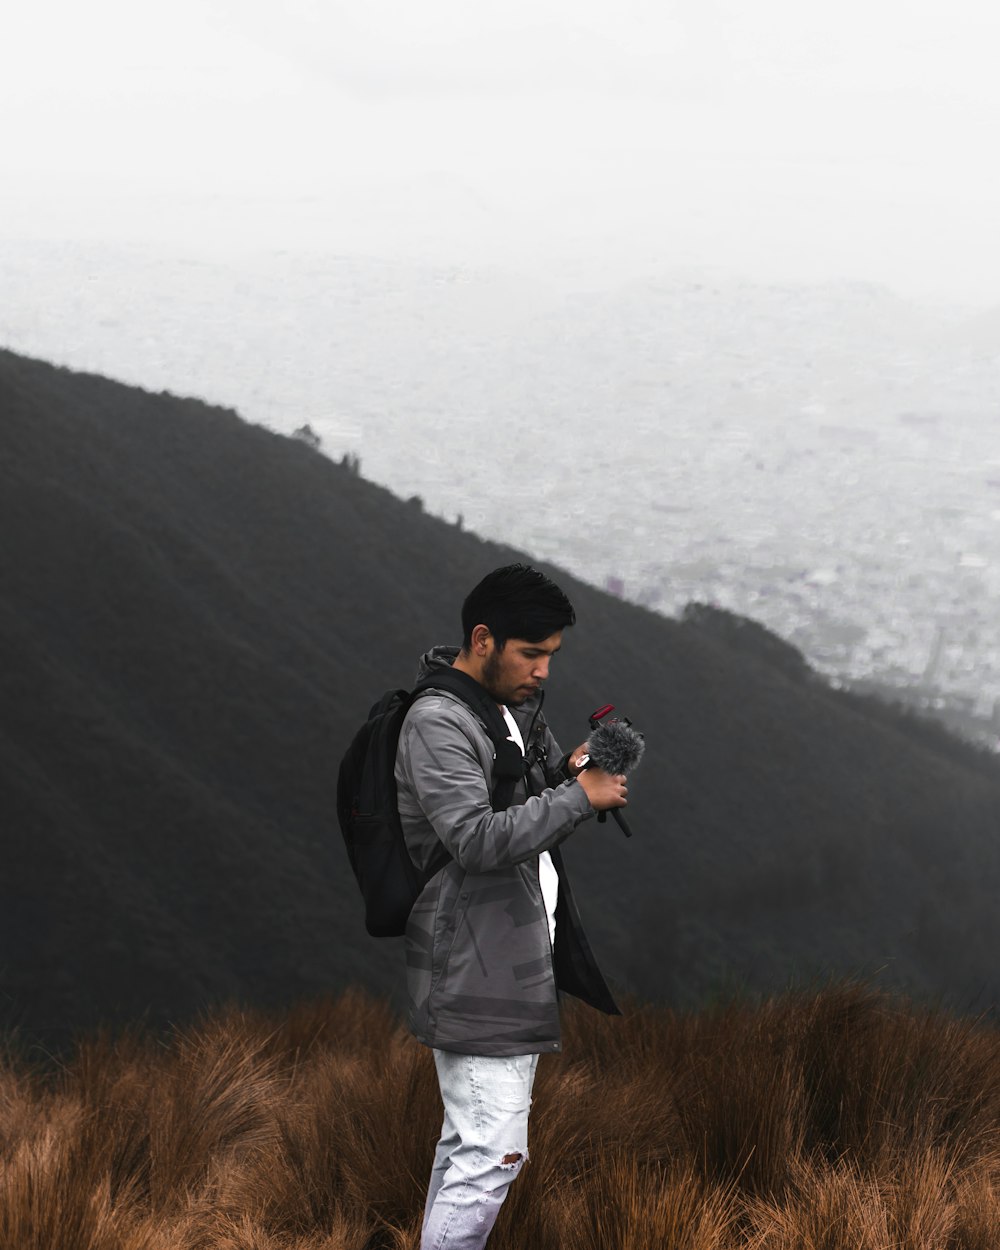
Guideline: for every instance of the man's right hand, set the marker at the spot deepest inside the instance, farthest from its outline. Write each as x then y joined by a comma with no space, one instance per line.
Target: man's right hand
605,790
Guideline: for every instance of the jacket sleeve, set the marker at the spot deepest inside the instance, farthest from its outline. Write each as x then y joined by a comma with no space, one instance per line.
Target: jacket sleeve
446,760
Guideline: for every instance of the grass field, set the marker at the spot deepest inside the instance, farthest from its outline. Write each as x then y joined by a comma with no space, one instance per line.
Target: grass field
832,1120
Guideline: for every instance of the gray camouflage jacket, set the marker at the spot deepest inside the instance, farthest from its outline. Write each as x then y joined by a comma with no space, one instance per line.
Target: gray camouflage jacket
482,975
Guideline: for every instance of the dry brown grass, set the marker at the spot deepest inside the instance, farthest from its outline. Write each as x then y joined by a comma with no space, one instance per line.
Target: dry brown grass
837,1120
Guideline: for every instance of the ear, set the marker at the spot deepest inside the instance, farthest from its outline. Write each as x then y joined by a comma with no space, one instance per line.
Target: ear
480,640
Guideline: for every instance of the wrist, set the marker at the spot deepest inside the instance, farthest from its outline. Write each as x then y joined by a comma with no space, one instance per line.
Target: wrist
575,763
583,781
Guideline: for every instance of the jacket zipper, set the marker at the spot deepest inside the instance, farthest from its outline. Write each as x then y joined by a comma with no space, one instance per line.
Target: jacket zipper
538,869
530,734
548,934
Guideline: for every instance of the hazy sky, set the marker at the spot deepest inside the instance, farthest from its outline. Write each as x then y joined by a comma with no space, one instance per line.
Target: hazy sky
782,139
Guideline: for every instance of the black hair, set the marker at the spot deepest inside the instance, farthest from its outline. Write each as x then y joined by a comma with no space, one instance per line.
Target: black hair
516,602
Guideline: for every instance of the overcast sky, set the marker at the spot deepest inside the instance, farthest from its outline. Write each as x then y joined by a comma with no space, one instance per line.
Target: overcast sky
781,139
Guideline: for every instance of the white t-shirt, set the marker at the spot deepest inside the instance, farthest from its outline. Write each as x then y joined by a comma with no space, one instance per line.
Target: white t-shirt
547,875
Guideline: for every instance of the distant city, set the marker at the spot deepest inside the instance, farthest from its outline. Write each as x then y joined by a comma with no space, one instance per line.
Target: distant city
823,459
877,554
900,587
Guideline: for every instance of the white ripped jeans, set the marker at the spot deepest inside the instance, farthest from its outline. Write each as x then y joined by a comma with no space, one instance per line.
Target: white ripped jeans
484,1142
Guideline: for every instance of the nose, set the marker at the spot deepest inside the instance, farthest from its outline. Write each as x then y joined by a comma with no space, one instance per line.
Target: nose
541,670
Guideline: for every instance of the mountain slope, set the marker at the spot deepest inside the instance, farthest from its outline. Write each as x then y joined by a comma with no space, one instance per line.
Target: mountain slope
195,614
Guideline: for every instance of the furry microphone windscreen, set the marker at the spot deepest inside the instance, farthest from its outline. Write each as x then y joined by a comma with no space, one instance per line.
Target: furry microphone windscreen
615,747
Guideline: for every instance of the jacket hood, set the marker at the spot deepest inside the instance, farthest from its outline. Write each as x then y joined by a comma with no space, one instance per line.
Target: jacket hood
435,660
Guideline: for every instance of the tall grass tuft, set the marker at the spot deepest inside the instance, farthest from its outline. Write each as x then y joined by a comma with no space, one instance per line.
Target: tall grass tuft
838,1119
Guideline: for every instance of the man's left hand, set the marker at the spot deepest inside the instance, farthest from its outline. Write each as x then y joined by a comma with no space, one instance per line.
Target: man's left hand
573,763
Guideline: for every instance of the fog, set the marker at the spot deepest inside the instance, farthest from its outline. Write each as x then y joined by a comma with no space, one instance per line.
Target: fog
778,141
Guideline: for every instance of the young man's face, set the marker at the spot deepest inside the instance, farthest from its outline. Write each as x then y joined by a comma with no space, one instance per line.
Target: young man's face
515,672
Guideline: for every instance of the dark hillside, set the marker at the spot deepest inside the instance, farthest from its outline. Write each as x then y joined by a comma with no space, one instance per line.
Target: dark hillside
195,613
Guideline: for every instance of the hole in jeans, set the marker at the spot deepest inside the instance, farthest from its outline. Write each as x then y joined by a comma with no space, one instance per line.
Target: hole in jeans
511,1160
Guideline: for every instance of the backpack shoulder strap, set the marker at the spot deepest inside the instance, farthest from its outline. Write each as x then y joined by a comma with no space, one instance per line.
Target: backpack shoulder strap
509,766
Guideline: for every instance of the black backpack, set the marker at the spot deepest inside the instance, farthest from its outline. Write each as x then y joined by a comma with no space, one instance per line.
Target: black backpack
366,799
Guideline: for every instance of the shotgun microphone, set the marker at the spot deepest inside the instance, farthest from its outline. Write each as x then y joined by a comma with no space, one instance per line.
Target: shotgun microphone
614,747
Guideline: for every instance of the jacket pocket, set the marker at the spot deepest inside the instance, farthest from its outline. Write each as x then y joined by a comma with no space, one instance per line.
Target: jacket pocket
446,931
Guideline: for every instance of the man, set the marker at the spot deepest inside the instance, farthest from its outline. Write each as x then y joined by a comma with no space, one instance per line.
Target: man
495,933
